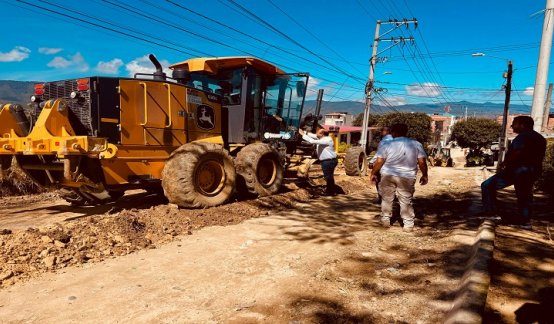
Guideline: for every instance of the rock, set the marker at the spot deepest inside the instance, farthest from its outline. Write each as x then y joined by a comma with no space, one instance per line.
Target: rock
50,261
6,275
173,206
44,253
391,269
366,254
5,231
46,239
71,297
24,258
120,239
59,244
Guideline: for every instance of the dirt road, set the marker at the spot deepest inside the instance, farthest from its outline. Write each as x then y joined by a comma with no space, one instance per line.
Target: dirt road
292,258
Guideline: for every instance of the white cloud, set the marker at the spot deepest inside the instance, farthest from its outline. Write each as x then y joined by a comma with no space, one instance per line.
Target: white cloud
143,65
332,91
49,50
529,91
76,61
18,54
110,67
426,89
393,101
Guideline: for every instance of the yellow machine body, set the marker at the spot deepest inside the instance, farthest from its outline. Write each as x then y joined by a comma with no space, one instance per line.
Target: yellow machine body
155,119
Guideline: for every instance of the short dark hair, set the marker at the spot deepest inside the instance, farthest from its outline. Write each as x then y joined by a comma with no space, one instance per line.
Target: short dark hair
399,129
526,121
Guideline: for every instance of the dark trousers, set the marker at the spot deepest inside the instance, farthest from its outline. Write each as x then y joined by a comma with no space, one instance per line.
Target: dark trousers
328,167
522,178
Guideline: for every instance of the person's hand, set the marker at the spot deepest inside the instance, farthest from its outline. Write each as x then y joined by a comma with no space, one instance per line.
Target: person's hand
374,178
301,131
423,180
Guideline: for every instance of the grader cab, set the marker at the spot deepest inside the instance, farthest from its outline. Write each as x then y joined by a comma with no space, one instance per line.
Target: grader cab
216,121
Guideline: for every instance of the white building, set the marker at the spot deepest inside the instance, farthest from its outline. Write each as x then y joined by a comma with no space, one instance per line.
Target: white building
338,119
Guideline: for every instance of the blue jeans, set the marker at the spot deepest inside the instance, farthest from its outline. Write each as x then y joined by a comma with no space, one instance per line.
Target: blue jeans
522,178
328,167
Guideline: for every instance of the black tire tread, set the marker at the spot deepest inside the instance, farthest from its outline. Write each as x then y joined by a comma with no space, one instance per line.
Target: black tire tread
351,161
247,162
177,175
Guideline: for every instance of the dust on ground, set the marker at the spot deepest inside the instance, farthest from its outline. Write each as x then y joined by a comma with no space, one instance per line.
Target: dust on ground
522,283
77,235
290,257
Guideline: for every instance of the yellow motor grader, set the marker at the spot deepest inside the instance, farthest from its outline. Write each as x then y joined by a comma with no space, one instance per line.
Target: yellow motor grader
215,125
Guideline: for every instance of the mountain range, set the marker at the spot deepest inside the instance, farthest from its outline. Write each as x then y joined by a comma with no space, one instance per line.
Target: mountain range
20,91
486,109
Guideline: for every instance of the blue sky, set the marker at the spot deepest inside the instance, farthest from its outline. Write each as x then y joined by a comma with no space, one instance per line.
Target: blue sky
329,39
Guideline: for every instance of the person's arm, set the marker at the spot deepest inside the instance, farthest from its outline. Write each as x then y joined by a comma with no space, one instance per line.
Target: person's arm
308,137
422,163
324,141
511,158
376,167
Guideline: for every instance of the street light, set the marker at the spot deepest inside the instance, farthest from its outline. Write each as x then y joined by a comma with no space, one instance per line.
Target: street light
502,143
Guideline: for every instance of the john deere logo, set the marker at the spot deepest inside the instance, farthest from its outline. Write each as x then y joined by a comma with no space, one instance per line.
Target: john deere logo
205,117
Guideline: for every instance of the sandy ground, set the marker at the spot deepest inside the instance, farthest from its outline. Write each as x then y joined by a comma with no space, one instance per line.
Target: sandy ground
291,258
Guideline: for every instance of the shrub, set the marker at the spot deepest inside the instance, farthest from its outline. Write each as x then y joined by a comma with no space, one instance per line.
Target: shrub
546,181
343,147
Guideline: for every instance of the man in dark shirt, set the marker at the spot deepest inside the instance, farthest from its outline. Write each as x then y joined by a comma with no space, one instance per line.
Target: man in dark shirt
521,168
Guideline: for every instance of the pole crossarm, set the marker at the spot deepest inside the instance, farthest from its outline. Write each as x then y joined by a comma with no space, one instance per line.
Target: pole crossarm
373,61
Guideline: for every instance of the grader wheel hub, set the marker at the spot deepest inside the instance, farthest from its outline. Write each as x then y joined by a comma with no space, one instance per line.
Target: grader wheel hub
267,171
210,178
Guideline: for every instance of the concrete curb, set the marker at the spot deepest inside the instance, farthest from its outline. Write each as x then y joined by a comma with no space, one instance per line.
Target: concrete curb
469,304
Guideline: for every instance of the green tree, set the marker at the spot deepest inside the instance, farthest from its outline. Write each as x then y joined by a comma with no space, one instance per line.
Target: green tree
419,124
476,133
372,120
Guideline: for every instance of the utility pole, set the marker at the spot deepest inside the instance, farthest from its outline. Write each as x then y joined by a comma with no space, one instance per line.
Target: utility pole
542,67
547,108
373,61
502,143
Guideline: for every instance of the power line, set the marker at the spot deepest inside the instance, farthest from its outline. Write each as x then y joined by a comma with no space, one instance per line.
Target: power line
308,31
104,27
276,30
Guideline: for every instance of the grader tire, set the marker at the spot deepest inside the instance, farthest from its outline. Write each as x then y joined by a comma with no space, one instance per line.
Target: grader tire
355,161
199,175
260,167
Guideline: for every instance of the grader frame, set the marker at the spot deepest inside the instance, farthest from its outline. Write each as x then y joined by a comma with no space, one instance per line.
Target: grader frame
97,137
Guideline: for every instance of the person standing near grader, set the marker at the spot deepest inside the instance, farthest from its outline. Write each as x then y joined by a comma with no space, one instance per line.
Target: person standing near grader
398,161
326,154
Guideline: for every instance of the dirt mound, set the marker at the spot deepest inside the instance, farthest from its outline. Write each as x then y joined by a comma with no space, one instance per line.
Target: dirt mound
15,182
26,254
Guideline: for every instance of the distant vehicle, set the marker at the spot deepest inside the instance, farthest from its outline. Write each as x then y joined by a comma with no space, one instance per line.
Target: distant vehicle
440,157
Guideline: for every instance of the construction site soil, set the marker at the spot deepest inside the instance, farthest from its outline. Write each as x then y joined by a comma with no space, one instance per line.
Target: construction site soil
291,257
137,221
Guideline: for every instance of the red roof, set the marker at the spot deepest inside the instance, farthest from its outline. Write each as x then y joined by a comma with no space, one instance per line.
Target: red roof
347,129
